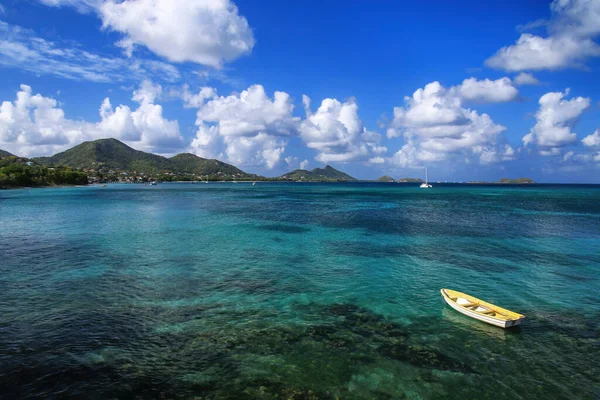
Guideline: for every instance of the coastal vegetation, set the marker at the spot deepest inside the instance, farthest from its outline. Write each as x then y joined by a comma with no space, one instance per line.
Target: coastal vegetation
110,160
385,178
20,172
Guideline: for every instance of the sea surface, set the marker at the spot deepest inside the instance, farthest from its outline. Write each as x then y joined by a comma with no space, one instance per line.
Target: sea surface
297,291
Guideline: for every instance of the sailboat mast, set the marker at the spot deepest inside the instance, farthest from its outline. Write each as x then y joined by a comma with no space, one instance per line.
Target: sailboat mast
426,177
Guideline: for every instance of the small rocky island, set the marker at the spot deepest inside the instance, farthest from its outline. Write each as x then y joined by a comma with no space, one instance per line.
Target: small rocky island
385,178
516,181
410,180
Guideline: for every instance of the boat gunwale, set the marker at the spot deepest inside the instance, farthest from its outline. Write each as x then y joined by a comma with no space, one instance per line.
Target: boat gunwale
511,315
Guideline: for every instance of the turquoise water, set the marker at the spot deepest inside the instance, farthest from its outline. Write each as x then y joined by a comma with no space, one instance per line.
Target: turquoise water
297,291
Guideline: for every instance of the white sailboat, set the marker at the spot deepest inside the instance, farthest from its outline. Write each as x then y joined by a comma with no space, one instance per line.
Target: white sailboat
206,181
425,185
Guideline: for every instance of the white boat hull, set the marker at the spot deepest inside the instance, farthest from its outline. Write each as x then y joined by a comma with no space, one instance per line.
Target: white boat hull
483,318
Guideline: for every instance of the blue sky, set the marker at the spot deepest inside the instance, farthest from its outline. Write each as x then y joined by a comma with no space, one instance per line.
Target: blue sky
470,90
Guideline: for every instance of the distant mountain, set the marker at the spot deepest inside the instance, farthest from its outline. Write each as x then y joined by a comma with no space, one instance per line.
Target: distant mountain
109,154
4,153
192,164
111,158
385,178
410,180
112,155
327,174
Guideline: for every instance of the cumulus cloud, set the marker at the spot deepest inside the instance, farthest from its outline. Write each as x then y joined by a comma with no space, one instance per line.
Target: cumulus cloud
554,121
592,140
33,125
196,100
572,29
436,126
35,121
336,132
146,125
487,91
525,78
248,128
204,32
294,163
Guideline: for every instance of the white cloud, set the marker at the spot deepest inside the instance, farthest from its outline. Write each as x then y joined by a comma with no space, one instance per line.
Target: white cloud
248,128
538,23
23,49
35,125
207,32
83,6
487,91
554,120
294,163
592,140
204,32
160,69
250,113
568,155
572,28
146,125
525,78
577,17
435,126
35,121
197,100
262,149
553,151
377,160
536,53
337,133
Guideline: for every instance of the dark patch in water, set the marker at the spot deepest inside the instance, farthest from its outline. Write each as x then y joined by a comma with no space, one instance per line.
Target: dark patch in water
285,228
372,250
423,358
576,278
269,389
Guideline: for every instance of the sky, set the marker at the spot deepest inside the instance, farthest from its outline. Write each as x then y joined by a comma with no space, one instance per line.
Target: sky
469,90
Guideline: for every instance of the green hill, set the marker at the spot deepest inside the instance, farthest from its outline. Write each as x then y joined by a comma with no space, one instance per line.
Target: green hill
385,178
327,174
105,155
4,153
191,164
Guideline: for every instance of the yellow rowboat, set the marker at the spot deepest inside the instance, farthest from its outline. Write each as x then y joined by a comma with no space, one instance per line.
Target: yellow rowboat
481,310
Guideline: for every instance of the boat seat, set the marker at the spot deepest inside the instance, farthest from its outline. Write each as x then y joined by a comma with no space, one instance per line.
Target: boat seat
464,302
